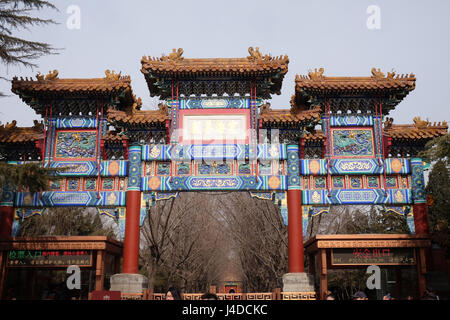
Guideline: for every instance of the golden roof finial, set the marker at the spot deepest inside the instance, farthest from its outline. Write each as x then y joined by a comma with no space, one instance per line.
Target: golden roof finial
254,54
111,75
388,123
137,103
265,108
39,77
175,55
316,74
52,75
376,73
419,123
11,125
163,108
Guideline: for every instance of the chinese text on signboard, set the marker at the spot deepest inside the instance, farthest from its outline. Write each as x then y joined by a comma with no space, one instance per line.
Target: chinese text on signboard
46,258
369,256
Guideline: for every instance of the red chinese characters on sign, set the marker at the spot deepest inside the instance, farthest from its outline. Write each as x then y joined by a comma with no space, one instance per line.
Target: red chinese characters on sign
371,253
368,256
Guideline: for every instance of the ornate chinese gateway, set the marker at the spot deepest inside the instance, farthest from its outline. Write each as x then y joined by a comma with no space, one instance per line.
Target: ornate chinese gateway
216,131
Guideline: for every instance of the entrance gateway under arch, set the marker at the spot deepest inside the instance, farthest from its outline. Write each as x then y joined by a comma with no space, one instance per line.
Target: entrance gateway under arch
217,132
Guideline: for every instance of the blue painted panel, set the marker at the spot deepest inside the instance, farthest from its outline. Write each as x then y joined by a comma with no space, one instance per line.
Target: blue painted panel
351,121
418,181
159,152
352,166
272,152
293,168
215,103
70,198
75,168
187,183
213,152
397,166
76,122
113,168
313,166
357,196
134,168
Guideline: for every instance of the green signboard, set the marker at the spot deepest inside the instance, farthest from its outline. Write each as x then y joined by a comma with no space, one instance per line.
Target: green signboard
373,256
49,258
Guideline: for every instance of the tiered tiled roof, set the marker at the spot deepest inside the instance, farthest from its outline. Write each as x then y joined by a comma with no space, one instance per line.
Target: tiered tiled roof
114,136
9,133
51,86
138,117
316,81
51,83
288,116
396,87
317,135
176,67
420,130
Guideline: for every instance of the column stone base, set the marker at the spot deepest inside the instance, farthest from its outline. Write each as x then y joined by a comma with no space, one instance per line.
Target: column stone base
128,283
298,282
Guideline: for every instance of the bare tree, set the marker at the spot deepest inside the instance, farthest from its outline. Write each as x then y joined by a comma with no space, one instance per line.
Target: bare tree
356,219
259,237
67,221
182,243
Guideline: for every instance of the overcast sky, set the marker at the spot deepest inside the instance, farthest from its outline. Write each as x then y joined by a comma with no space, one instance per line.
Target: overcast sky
413,38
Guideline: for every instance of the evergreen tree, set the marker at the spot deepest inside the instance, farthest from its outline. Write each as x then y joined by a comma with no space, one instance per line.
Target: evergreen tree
17,15
438,188
26,177
437,149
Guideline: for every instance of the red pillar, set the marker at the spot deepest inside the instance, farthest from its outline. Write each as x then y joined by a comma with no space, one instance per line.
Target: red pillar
295,231
420,211
6,221
132,233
